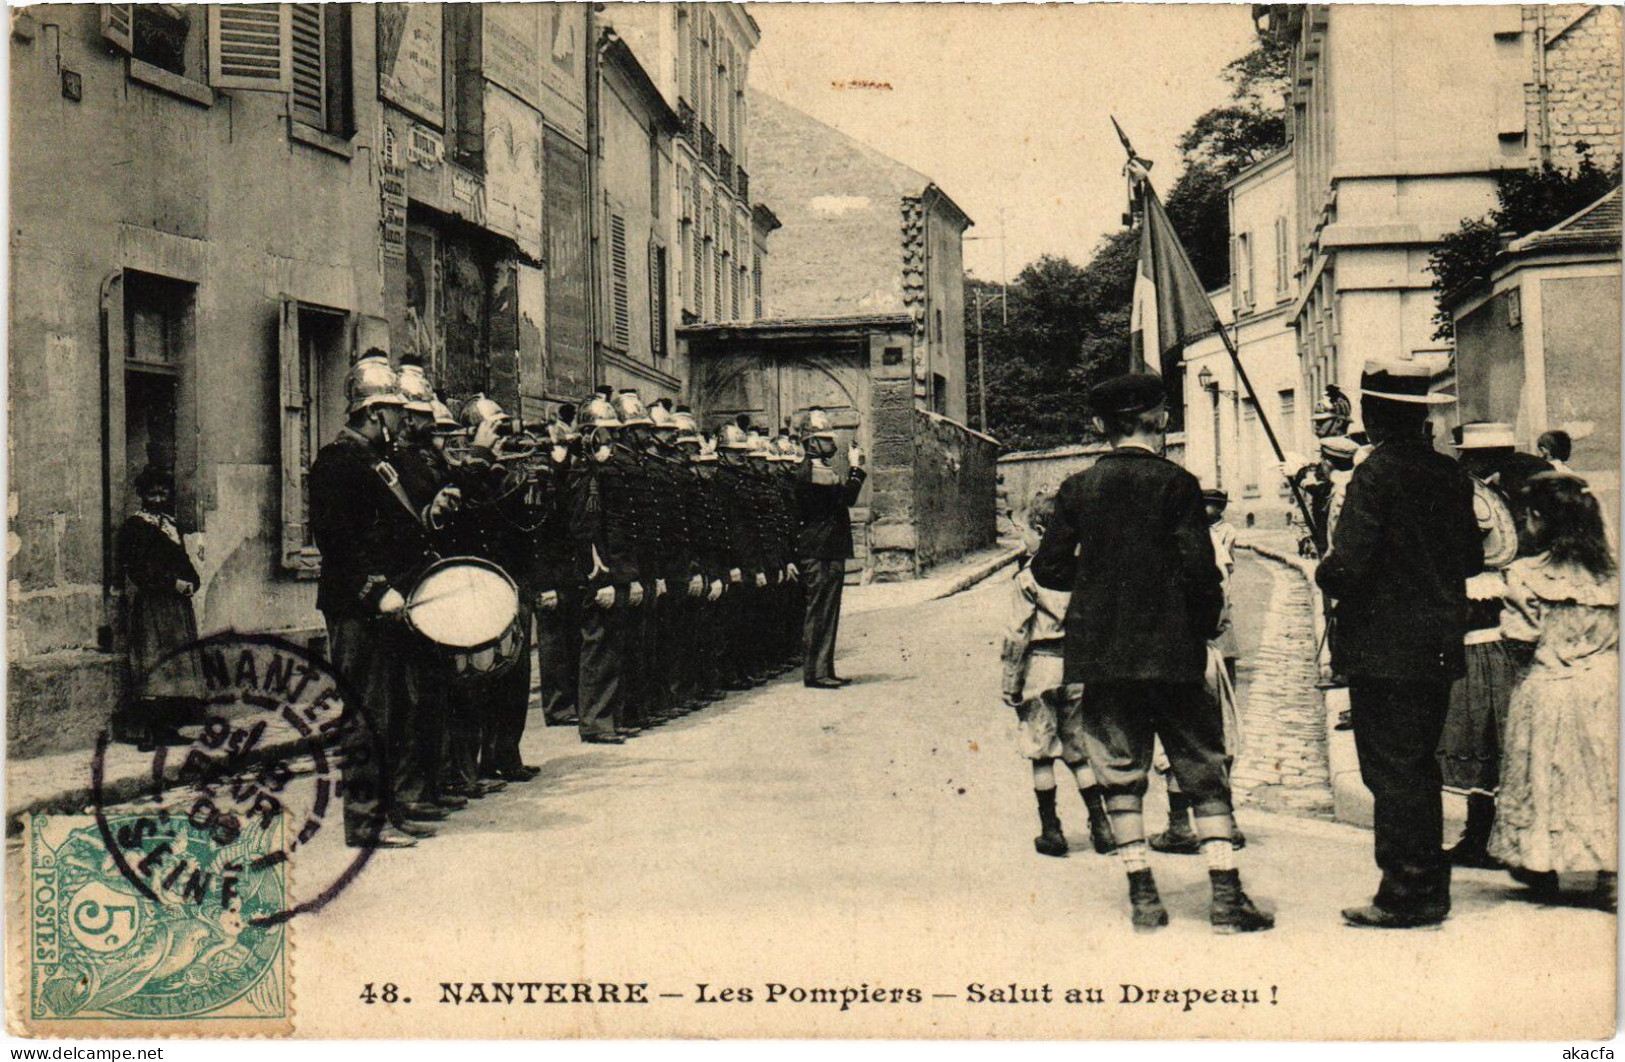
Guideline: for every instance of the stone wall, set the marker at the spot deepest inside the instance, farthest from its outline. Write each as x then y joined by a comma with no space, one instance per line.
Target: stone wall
1024,474
1584,94
892,530
955,490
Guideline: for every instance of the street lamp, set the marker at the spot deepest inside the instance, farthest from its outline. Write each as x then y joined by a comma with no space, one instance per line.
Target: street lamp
1206,381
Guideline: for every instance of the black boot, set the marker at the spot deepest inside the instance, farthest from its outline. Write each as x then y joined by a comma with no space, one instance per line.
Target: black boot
1179,838
1472,850
1051,842
1142,893
1100,824
1232,911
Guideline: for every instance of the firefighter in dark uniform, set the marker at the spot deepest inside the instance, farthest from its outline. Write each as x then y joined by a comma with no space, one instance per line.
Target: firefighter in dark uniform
713,550
602,532
746,576
785,462
763,602
824,543
558,583
640,699
684,582
373,547
501,524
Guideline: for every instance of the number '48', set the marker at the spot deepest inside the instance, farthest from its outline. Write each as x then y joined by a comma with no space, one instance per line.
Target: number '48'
387,993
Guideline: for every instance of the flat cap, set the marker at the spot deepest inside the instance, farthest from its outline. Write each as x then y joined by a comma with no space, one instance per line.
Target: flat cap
1132,392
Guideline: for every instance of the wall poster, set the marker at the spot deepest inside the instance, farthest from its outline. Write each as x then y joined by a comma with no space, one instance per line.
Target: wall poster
411,59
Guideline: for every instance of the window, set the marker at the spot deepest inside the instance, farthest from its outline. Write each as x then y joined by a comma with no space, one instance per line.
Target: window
1283,260
1286,429
165,43
1249,447
657,300
1244,271
620,309
314,357
756,283
939,393
320,97
936,327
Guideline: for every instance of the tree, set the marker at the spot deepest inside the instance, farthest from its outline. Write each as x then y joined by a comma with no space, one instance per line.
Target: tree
1069,324
1527,201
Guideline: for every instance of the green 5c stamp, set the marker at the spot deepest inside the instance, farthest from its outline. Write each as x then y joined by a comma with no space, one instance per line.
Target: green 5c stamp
201,947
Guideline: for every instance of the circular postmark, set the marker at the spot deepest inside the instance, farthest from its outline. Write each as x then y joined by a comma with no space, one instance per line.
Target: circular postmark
266,778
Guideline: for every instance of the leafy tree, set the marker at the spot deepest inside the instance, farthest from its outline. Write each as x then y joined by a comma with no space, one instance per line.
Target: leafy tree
1527,201
1069,324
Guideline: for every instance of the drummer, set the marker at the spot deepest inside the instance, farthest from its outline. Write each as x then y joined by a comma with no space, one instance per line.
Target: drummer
373,547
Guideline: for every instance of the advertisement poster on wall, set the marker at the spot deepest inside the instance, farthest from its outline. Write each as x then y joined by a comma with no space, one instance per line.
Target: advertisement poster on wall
411,59
563,68
510,40
513,169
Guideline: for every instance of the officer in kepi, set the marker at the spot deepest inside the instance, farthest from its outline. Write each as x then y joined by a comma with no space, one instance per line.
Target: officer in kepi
824,500
374,546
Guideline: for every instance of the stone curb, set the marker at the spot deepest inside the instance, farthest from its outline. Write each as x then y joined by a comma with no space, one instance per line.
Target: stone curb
1351,800
982,572
123,782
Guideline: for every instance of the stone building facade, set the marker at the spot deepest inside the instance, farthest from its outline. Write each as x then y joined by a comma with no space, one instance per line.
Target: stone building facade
1400,120
492,187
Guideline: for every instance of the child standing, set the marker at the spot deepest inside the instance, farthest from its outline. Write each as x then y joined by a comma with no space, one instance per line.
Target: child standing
1557,809
1049,711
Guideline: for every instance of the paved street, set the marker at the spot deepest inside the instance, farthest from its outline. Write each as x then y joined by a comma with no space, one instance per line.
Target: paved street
882,836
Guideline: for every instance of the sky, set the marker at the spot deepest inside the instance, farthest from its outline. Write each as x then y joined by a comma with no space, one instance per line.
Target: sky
1007,106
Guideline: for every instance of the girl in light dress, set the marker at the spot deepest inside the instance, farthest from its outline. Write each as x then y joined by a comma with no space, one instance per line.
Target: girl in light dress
1557,804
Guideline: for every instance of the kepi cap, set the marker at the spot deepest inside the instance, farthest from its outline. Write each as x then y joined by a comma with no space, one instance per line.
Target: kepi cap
1132,392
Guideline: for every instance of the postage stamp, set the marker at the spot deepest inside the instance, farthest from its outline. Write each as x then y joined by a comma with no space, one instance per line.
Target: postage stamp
196,947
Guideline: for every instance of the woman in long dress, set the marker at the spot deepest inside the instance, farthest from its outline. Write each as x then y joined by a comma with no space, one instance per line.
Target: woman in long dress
166,679
1557,804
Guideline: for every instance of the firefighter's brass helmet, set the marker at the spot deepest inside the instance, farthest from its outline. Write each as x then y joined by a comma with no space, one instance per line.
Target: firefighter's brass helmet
443,419
416,388
818,425
732,437
478,410
630,409
597,412
371,382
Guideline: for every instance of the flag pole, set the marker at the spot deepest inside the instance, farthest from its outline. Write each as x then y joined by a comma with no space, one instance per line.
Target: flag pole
1229,346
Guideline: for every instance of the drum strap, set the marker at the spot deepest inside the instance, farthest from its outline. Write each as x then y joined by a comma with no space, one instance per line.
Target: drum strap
392,481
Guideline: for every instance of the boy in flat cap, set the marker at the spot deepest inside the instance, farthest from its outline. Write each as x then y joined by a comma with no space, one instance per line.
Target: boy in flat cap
1146,597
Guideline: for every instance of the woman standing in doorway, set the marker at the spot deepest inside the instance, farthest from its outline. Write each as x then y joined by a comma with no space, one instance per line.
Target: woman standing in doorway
167,682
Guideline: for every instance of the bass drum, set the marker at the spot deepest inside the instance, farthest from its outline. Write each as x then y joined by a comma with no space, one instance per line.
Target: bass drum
468,609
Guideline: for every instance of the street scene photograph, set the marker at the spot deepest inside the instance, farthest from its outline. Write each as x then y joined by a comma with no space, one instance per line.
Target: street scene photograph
813,521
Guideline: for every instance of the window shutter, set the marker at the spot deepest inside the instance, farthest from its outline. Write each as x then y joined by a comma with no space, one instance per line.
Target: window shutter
697,284
620,309
250,46
657,300
309,64
118,25
756,285
297,554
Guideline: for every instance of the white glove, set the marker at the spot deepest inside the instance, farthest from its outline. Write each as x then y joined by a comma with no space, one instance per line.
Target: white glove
548,601
791,572
561,454
391,603
761,578
716,590
184,588
855,456
634,594
696,586
605,597
598,565
735,576
660,589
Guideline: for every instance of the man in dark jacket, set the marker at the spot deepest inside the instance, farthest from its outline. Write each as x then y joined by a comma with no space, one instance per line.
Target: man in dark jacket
1129,540
374,547
1405,544
823,544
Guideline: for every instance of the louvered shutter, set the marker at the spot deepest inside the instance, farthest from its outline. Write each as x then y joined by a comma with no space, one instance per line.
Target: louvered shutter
298,555
657,300
310,64
620,308
250,46
118,25
756,284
